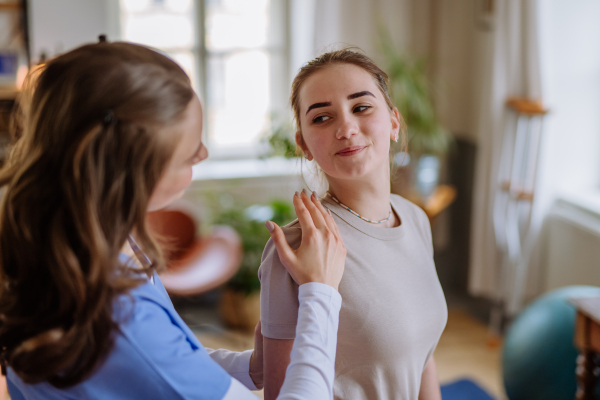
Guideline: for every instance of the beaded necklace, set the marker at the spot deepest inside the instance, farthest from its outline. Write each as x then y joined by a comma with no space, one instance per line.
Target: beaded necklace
357,214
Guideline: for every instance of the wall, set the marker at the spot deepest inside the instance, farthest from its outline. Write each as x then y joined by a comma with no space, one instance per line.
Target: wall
60,25
572,249
570,160
443,32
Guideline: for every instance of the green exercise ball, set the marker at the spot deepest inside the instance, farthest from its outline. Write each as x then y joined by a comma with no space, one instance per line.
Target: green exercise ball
539,356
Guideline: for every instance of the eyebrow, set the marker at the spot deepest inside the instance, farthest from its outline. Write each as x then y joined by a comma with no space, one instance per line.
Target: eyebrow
360,94
318,105
350,97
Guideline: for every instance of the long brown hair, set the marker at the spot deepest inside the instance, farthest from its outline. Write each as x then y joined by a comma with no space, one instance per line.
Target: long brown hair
92,146
346,55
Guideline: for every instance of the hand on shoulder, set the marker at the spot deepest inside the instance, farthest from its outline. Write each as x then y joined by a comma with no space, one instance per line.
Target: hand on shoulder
322,254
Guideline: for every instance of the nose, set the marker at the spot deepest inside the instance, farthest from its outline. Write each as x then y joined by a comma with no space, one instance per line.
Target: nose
347,127
202,154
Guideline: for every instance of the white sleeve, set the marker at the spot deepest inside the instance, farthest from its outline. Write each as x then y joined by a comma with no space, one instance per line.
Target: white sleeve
311,371
236,364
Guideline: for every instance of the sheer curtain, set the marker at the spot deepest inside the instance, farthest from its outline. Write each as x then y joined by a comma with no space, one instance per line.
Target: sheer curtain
511,68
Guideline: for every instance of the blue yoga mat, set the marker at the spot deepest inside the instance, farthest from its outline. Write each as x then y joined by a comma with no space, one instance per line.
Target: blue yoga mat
464,389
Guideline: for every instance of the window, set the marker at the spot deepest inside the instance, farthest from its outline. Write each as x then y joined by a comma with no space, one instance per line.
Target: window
235,53
168,25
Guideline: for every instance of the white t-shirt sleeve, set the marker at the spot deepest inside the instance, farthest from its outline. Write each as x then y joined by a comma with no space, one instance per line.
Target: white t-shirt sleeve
311,371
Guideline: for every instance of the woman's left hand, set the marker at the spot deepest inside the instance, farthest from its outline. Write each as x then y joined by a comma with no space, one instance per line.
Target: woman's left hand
256,360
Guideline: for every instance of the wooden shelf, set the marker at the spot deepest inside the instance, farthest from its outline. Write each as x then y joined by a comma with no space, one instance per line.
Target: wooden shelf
441,198
8,94
13,6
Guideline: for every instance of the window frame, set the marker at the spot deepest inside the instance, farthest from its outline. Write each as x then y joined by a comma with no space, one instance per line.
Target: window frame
279,77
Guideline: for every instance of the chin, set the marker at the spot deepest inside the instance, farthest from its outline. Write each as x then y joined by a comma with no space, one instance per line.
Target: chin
165,203
361,170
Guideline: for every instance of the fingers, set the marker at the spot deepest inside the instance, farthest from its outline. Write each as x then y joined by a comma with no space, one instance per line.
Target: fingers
283,248
309,201
326,216
257,359
258,331
258,340
306,222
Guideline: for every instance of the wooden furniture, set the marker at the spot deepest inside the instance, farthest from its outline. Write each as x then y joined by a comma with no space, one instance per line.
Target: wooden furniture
440,199
13,6
21,7
587,341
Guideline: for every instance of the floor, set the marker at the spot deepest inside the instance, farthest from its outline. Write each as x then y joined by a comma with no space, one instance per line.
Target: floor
465,350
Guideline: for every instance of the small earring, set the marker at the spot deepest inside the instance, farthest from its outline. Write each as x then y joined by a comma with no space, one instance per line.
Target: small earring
396,138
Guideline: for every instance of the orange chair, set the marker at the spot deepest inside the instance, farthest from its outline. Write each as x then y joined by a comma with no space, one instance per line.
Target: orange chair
195,264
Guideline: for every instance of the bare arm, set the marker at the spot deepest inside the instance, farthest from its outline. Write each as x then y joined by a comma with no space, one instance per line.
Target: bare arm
430,386
276,360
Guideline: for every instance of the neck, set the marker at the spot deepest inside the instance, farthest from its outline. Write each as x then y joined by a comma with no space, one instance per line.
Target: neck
369,196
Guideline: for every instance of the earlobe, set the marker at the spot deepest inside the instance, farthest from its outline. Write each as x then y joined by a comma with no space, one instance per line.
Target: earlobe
395,132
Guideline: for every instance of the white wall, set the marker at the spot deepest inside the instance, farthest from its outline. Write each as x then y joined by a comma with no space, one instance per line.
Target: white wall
570,159
60,25
449,46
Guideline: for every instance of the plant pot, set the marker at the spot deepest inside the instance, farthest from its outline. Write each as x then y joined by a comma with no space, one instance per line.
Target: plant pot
427,175
239,310
416,176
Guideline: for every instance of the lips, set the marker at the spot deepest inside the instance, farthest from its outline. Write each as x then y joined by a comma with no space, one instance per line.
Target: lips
350,151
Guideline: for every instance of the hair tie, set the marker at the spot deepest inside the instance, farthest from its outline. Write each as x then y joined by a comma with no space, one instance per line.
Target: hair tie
109,117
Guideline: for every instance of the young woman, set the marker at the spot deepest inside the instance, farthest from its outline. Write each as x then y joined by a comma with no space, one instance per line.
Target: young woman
394,309
111,132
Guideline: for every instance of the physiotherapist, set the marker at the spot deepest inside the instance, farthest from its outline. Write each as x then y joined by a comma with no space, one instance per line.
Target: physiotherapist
104,134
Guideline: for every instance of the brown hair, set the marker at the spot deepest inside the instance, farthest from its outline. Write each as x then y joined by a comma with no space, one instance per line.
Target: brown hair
92,147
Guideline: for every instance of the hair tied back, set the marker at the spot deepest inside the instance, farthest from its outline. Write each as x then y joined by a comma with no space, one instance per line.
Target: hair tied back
109,118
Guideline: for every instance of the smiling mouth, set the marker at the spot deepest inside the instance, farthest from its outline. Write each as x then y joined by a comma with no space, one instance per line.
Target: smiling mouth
350,151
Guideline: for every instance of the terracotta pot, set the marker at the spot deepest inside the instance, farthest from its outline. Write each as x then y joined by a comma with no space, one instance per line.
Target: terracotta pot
240,311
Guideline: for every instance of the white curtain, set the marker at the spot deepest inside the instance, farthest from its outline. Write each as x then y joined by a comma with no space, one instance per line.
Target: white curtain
511,69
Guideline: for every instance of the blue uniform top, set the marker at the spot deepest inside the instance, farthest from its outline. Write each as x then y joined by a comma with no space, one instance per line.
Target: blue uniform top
168,360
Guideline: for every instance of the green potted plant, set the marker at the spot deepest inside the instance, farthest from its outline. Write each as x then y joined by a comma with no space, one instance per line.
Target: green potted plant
280,137
411,92
240,303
